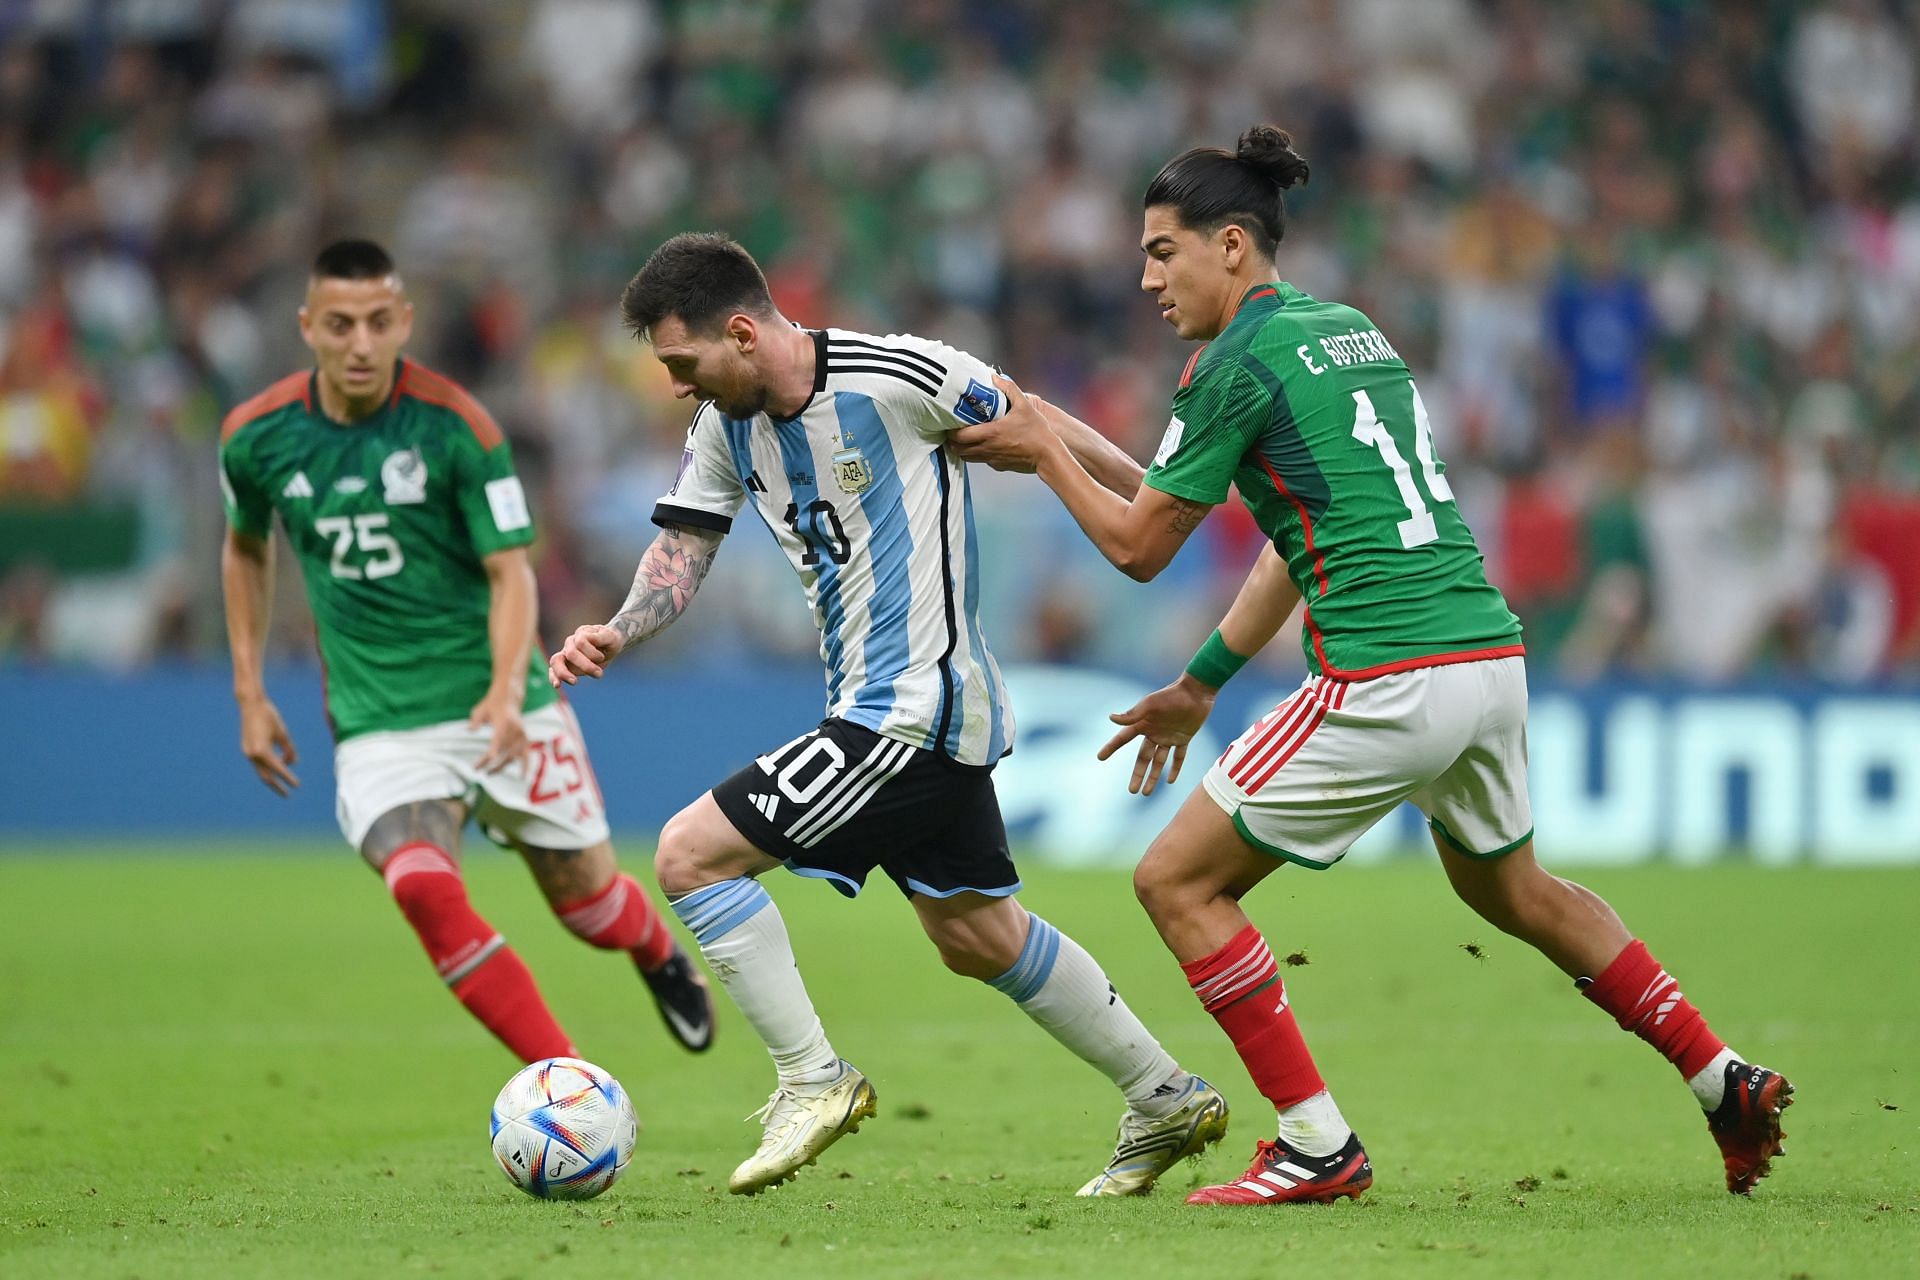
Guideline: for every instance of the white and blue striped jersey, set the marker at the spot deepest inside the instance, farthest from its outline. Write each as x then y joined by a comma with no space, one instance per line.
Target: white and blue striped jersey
875,515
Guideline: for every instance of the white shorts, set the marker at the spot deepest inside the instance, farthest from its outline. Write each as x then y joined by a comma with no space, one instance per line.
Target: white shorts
552,801
1322,767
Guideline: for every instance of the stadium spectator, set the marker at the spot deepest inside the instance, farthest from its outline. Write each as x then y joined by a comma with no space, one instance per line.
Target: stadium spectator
1694,227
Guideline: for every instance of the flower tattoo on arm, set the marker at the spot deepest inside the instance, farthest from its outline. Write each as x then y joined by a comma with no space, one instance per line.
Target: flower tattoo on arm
664,585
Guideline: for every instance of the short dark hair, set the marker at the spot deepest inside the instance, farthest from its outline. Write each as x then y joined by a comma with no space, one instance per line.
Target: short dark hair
353,260
700,276
1211,186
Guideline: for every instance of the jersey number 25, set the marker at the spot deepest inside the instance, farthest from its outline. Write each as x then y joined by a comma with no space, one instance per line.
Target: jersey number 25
368,532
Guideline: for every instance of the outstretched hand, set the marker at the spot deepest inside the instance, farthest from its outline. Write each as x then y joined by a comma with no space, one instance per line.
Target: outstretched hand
1164,721
1015,441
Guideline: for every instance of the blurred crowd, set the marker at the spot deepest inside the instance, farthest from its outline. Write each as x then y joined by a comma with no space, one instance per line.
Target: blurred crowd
1656,264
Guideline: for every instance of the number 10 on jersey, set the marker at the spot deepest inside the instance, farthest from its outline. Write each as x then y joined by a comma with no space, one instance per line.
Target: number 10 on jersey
1418,529
818,527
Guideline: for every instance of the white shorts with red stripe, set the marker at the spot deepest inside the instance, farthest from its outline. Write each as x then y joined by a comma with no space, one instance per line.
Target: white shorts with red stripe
1321,768
550,802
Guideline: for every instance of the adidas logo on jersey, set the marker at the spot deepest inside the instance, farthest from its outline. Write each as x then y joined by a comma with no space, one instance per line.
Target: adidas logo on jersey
765,803
298,487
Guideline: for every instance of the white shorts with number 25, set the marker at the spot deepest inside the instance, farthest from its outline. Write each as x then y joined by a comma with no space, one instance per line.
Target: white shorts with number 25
552,801
1321,768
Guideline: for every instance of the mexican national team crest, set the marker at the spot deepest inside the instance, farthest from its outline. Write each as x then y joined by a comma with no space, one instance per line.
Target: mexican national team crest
405,476
851,470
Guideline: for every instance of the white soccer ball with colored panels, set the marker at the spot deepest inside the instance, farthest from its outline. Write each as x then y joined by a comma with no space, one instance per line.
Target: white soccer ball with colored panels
563,1129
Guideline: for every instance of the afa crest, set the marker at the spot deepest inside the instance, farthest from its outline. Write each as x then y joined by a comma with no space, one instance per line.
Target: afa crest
851,470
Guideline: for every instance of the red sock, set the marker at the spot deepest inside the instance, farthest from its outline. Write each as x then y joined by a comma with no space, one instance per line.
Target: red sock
621,918
1643,999
469,956
1240,986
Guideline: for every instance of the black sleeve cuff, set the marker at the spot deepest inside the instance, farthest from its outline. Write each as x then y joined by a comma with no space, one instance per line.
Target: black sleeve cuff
693,518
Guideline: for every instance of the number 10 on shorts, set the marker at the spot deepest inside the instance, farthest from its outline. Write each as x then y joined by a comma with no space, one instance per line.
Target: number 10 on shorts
812,748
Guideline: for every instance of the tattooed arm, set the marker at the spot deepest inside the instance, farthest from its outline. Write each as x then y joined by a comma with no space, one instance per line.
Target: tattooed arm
663,586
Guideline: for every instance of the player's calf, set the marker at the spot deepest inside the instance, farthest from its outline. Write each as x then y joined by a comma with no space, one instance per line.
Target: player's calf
470,956
620,917
1743,1102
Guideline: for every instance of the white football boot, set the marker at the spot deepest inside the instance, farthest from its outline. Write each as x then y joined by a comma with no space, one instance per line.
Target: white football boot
1148,1147
801,1121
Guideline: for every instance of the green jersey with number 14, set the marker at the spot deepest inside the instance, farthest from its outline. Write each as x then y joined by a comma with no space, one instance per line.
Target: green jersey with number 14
1313,416
390,517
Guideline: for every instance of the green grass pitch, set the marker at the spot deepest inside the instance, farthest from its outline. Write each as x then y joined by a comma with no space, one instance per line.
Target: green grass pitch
220,1064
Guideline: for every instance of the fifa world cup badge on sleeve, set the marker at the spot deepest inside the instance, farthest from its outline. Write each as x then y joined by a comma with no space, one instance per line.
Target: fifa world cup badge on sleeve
1170,442
978,403
404,474
508,501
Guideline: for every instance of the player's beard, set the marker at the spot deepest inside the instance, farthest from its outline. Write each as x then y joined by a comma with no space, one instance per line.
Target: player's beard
750,403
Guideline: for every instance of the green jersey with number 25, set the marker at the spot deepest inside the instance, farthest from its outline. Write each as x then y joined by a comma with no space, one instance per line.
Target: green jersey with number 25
390,517
1313,416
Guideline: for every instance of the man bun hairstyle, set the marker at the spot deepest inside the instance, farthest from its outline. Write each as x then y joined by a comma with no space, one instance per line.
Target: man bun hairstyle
353,260
700,276
1270,150
1210,187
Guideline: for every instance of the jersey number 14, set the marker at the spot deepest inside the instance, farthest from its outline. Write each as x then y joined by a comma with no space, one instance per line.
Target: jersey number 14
1418,529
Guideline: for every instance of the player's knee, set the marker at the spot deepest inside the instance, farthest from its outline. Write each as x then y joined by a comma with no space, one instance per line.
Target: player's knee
1517,904
963,962
673,865
1162,894
970,950
682,863
971,958
1490,899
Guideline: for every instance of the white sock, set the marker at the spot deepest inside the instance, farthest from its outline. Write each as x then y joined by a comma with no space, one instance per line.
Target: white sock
745,943
1315,1127
1060,987
1709,1084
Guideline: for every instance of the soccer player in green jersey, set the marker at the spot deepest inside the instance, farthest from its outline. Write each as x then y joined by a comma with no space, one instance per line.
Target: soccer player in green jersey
1417,688
398,495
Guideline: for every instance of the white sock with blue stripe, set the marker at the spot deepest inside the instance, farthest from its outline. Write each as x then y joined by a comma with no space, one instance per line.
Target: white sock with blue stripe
1063,989
745,943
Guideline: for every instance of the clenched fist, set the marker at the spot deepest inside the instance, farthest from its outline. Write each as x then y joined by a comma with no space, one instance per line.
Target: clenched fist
586,653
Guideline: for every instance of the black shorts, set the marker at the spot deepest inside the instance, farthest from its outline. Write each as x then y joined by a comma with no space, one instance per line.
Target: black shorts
840,800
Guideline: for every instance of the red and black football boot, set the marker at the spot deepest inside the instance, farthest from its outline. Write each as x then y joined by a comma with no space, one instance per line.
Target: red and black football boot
1282,1176
1746,1124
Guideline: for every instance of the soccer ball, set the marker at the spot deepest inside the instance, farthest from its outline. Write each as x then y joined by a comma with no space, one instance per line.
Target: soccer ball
563,1129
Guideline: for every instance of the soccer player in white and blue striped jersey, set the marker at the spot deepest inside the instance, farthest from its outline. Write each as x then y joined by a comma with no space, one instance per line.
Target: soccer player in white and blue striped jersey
839,442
